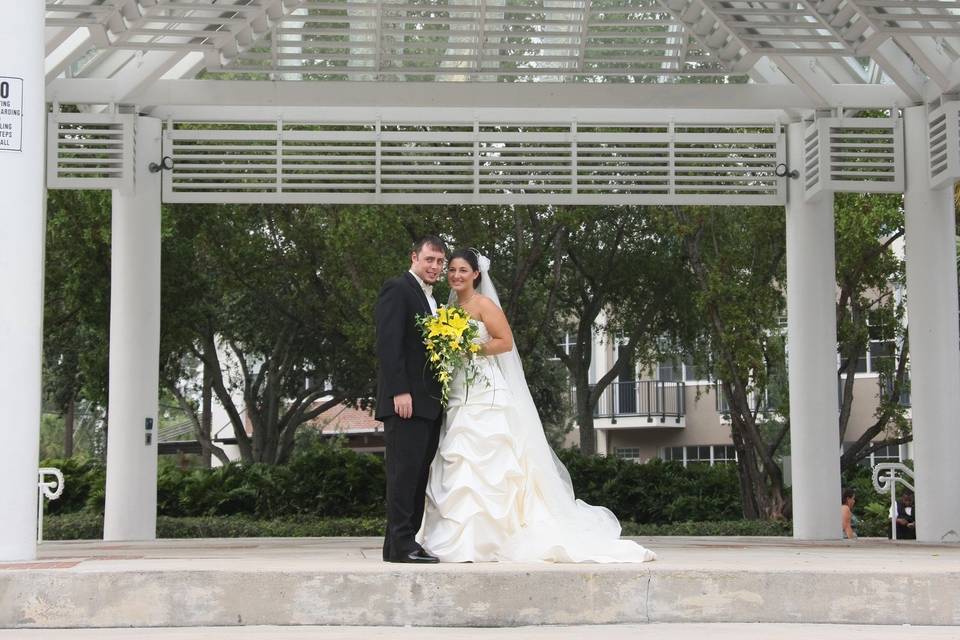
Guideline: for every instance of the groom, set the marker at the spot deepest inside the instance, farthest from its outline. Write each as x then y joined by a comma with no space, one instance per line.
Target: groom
408,397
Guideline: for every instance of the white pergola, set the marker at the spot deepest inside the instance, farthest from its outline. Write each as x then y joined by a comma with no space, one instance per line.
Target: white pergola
481,102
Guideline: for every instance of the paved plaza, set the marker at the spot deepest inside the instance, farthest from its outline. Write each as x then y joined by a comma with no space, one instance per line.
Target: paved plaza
598,632
336,582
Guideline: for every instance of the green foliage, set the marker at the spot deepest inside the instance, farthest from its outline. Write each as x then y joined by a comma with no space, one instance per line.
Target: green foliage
711,528
76,296
88,526
870,314
83,489
327,480
322,480
656,492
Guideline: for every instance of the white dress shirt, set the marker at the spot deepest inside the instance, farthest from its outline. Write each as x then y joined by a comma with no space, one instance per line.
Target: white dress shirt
427,291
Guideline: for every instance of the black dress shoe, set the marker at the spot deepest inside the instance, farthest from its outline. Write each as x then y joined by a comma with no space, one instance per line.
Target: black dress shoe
419,556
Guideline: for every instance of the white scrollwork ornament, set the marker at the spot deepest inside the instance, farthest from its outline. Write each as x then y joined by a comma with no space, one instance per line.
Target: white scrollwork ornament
52,489
49,489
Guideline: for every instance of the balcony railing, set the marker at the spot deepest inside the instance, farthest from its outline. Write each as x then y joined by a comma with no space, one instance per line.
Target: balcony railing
651,399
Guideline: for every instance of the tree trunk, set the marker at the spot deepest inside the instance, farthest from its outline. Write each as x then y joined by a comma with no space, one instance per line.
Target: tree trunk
588,438
761,481
745,471
69,420
206,415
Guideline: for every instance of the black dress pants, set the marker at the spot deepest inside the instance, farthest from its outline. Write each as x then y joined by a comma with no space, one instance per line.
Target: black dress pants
410,447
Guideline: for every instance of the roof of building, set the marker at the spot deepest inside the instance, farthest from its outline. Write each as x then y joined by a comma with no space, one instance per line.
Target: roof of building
347,419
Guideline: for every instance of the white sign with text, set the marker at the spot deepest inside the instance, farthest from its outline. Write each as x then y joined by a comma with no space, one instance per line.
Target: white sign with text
11,113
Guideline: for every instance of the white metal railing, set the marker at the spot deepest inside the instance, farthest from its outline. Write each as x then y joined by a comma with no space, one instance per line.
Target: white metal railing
887,483
49,489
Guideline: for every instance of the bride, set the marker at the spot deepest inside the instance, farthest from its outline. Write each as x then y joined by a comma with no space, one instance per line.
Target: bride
496,490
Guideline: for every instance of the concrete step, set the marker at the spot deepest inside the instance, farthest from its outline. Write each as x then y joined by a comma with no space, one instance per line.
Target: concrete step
717,631
342,581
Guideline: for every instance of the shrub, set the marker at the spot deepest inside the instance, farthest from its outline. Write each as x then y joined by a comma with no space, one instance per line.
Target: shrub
330,481
717,528
655,492
83,489
89,526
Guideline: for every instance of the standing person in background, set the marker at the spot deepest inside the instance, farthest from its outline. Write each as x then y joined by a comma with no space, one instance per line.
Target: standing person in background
905,513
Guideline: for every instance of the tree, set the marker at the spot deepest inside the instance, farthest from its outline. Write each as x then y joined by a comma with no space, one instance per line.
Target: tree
76,307
610,271
736,260
276,304
870,315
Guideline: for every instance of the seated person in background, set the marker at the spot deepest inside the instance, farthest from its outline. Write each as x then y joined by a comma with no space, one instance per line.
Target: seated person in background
847,520
905,514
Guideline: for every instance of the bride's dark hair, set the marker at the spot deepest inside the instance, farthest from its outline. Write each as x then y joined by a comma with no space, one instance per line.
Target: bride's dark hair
471,256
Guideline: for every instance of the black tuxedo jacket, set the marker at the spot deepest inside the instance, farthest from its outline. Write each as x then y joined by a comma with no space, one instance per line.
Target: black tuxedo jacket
401,354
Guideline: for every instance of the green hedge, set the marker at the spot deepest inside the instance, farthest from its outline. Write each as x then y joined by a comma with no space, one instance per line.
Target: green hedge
89,526
330,481
657,492
325,480
720,528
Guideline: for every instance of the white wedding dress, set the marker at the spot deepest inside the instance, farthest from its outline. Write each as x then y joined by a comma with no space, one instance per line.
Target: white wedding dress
497,492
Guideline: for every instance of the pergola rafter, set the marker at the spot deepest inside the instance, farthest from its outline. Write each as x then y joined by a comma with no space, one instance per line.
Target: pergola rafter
817,45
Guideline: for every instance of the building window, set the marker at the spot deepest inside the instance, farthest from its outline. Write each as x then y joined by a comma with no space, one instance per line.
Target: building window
881,352
628,453
710,454
567,342
724,453
670,371
672,453
889,453
680,370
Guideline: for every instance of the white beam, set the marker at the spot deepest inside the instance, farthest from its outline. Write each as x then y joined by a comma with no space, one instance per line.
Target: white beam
953,78
933,61
21,273
812,361
143,71
526,115
131,487
71,51
803,73
900,68
443,95
931,255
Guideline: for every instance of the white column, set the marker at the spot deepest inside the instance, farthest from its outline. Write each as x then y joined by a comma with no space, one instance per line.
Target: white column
21,271
131,491
812,361
934,352
602,442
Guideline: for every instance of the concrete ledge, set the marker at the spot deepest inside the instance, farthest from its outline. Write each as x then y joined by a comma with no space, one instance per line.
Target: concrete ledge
343,582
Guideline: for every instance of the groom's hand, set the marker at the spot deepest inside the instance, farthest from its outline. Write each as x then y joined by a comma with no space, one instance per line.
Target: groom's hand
403,405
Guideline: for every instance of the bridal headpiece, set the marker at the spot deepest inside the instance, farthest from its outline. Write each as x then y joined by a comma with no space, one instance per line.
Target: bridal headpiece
482,261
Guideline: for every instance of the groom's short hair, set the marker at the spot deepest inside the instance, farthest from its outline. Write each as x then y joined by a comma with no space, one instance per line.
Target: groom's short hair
434,241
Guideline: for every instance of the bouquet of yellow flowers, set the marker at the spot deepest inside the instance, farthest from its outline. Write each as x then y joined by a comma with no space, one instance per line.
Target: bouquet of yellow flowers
449,337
